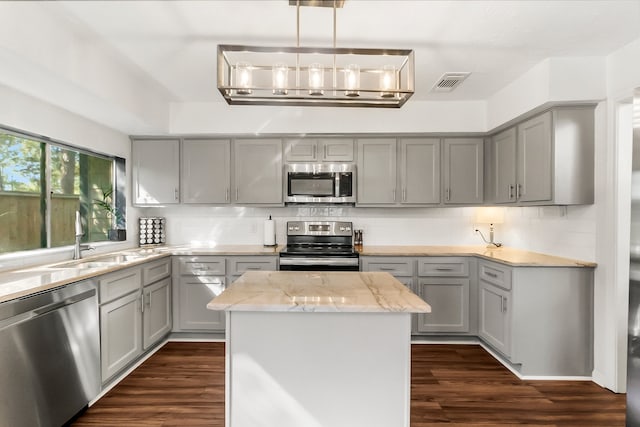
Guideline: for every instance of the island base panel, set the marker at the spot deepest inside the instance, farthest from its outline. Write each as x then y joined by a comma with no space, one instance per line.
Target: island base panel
297,369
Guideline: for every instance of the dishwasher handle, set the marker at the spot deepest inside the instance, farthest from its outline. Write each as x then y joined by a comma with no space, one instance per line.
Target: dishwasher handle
67,301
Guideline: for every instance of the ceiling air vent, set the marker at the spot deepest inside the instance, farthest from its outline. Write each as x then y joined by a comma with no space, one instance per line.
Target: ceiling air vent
449,81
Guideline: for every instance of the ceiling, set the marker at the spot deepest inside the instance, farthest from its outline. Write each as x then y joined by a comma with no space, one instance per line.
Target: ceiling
174,42
166,50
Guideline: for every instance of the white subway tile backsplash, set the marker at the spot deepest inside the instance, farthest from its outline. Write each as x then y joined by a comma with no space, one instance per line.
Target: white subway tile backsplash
557,230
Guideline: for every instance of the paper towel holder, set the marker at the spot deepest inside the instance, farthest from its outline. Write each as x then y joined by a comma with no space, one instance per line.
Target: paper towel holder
269,233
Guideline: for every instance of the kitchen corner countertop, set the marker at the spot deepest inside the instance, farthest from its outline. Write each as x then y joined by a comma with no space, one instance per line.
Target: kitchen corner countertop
287,291
509,256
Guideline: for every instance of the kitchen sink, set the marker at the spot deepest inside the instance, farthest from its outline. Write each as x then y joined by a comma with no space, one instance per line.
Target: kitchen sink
100,261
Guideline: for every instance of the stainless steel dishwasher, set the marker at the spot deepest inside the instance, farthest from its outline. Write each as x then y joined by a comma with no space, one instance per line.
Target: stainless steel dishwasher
49,356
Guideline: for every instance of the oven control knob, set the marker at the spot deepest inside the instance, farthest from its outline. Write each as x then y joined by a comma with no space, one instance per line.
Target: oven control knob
342,228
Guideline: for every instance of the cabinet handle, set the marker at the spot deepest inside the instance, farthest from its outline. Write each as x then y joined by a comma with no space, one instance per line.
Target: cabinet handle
444,269
175,193
142,302
404,194
519,192
387,268
236,194
394,195
448,194
148,299
226,195
503,304
325,151
314,152
510,191
490,274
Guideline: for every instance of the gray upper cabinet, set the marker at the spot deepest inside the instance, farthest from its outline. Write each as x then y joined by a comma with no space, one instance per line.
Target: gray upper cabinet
318,150
206,171
503,183
534,159
419,169
376,171
258,171
546,160
463,170
156,171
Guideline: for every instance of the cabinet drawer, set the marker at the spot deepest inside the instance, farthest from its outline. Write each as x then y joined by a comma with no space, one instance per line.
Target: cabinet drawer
495,274
156,270
393,266
202,266
443,266
240,265
120,283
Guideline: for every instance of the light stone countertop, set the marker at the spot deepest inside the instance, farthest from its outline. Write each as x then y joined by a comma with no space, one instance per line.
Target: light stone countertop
505,255
301,291
29,280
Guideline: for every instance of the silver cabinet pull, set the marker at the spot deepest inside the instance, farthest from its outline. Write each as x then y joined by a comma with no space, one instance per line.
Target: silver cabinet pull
503,304
404,194
394,195
490,274
175,193
444,269
510,191
325,151
142,302
448,194
148,299
519,192
314,152
226,195
236,194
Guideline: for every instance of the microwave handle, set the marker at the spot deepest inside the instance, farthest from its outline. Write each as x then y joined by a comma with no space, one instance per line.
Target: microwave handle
336,189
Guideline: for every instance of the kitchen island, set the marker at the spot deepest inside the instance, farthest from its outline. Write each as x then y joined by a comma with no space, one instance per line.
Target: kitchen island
318,349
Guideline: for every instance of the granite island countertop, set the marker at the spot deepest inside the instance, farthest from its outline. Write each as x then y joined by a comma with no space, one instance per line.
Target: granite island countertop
300,291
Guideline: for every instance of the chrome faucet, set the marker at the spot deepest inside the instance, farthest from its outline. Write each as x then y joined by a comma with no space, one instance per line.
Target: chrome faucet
77,247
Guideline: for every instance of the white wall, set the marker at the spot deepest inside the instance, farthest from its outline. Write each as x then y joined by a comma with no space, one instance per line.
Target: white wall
414,116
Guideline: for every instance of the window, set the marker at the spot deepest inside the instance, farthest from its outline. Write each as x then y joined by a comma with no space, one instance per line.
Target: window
43,184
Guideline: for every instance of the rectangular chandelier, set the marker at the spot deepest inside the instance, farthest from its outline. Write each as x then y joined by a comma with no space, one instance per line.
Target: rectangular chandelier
305,76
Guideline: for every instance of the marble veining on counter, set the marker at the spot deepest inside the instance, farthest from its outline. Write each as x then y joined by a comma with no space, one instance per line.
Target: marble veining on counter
318,292
510,256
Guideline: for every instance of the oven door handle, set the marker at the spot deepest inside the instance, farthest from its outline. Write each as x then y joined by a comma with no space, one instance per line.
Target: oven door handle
318,261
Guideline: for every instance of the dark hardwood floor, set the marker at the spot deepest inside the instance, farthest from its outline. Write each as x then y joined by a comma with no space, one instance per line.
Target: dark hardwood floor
458,385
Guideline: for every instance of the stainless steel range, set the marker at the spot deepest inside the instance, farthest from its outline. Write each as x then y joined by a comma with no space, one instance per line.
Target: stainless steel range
319,246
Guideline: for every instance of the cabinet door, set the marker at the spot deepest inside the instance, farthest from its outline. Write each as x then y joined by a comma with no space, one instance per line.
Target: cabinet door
376,171
120,333
156,175
195,293
156,319
205,171
258,171
463,170
420,171
494,317
504,167
336,150
535,160
449,301
301,150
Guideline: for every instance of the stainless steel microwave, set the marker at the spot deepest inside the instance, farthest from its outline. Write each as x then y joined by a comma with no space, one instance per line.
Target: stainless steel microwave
321,183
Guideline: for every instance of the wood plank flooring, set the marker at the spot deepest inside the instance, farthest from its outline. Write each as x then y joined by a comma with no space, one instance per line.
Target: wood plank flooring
457,385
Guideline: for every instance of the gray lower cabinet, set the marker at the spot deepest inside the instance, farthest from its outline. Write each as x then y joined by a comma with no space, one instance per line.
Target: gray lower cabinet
402,268
444,282
258,171
463,170
134,313
539,318
199,279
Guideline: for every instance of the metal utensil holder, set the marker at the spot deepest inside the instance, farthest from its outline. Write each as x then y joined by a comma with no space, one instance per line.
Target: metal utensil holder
152,231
